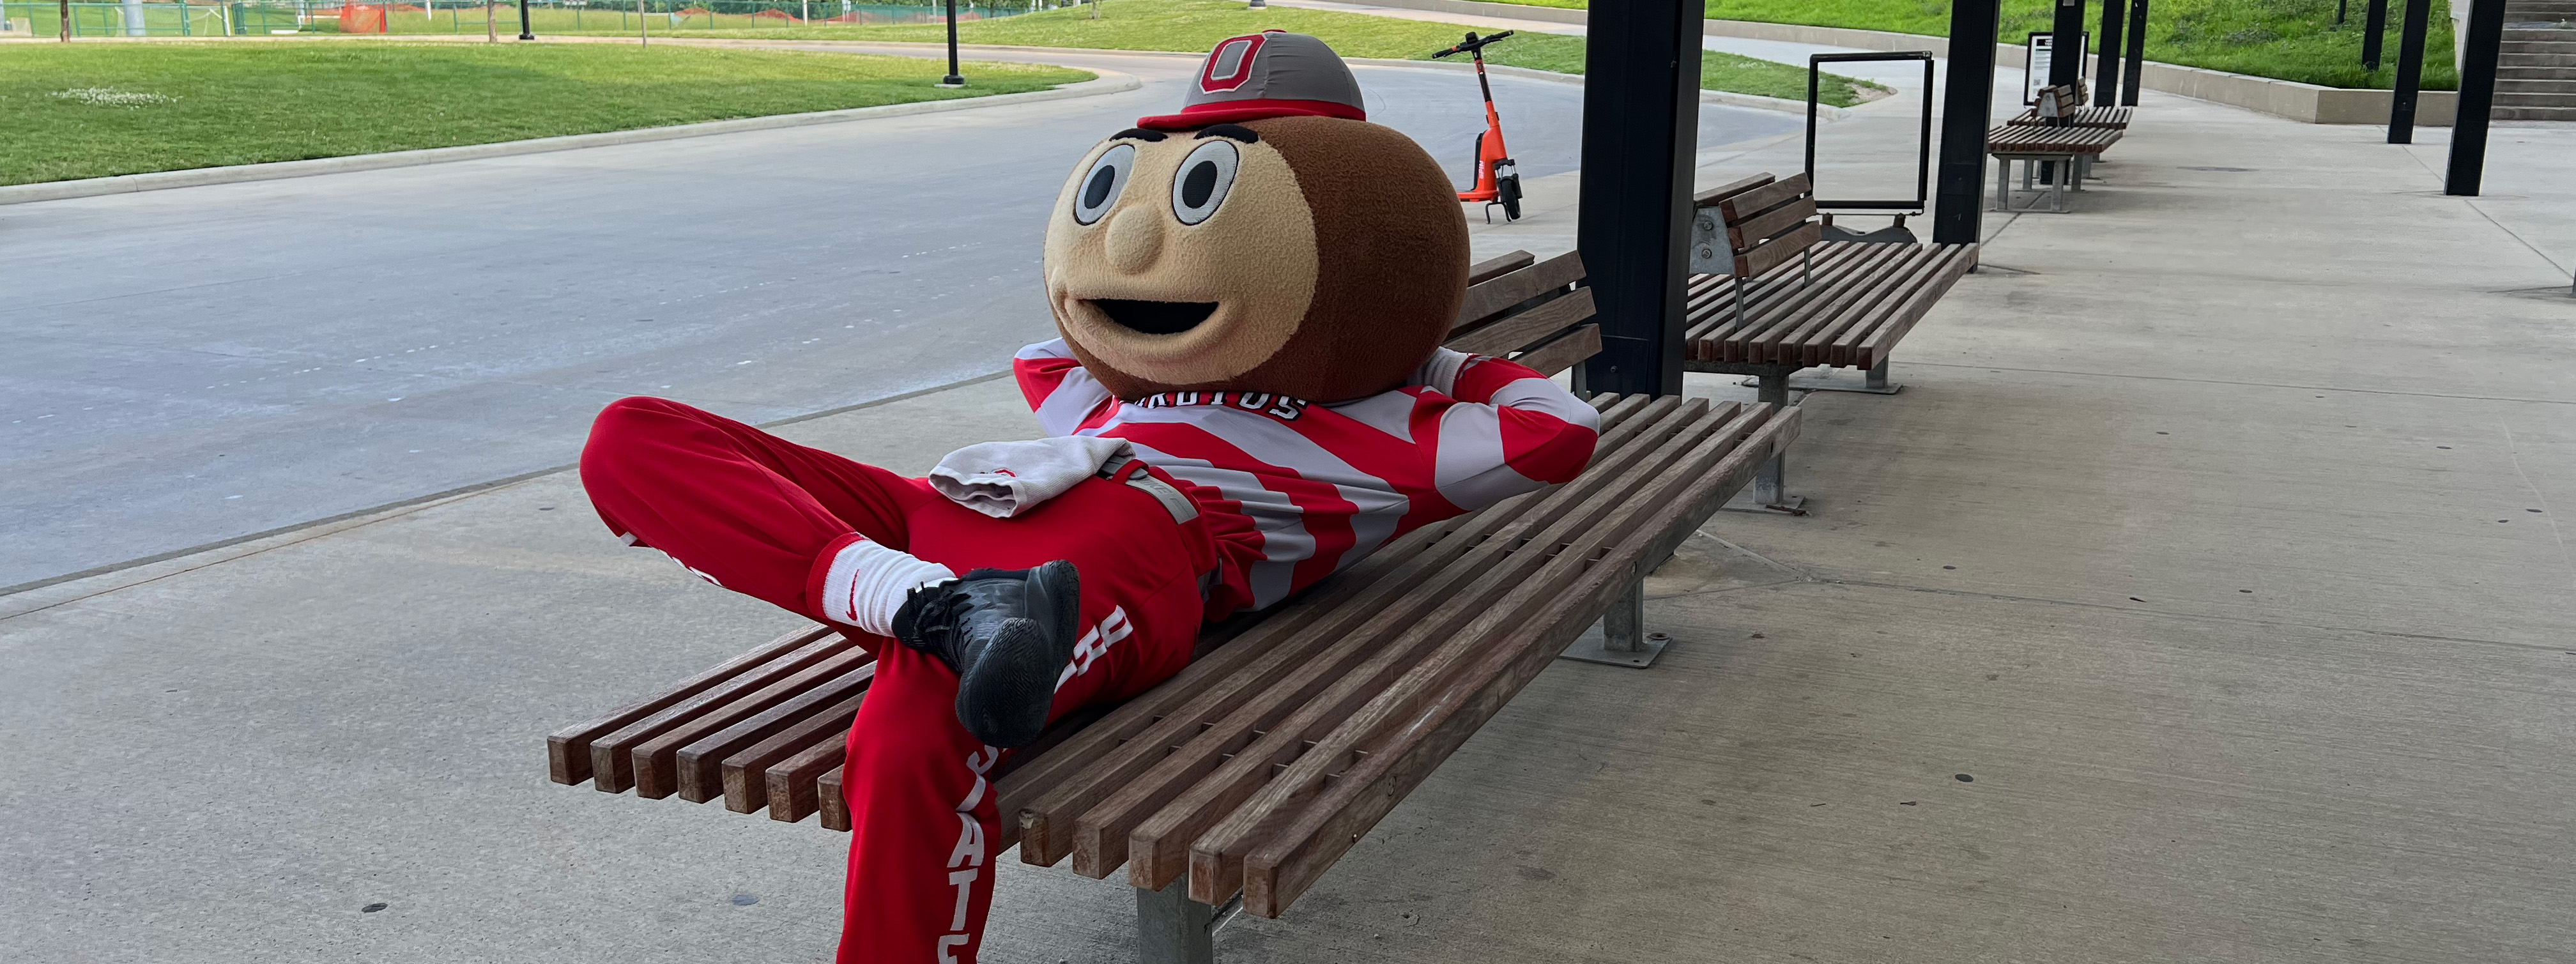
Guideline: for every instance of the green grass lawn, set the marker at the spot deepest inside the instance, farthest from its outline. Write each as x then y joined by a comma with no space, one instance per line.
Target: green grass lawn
2283,39
91,110
1196,25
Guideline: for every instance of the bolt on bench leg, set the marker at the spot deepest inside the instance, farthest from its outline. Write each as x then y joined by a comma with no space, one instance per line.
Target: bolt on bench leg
1622,639
1173,929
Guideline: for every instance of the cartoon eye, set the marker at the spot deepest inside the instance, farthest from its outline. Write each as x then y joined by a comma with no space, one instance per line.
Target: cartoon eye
1202,182
1102,185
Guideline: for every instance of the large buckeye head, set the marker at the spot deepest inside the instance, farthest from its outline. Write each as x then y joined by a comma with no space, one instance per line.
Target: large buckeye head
1316,257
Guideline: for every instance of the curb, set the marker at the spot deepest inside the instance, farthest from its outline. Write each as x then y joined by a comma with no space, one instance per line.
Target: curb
1110,82
1727,97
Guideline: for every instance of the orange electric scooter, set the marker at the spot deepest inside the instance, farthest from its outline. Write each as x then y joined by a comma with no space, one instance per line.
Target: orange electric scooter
1498,180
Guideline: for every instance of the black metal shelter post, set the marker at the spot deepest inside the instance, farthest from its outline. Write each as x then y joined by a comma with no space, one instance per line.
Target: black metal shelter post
2477,98
1640,139
2106,76
2137,53
1966,103
2066,44
2374,30
953,79
2410,73
524,32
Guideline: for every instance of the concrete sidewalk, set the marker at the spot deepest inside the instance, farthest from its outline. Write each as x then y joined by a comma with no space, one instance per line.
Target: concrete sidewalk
2205,596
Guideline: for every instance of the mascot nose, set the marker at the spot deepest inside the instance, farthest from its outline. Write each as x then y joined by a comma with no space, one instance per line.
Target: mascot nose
1135,239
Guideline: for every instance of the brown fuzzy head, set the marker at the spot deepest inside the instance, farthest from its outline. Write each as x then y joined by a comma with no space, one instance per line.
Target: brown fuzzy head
1314,257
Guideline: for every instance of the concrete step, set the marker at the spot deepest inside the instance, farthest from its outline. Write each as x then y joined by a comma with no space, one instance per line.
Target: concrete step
2533,113
2504,99
2512,72
2518,86
2521,51
2547,38
2541,60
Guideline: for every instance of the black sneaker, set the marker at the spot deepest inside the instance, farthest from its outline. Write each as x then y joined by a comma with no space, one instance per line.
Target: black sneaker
1008,634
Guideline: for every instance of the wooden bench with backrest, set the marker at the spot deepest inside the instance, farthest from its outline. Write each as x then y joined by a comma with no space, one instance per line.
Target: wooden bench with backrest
2054,146
1245,776
1770,298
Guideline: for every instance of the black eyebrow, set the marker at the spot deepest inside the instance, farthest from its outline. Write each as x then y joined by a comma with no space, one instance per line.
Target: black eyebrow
1231,131
1138,134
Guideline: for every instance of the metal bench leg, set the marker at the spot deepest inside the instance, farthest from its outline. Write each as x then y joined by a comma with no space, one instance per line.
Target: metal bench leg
1765,494
1876,380
2003,184
1622,639
1173,929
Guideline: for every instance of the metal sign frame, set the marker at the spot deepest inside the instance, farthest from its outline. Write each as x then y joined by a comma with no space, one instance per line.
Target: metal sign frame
2033,77
1923,166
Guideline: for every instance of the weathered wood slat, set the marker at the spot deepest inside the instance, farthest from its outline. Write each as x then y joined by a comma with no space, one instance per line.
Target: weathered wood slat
1498,266
1528,328
655,761
1758,200
1710,197
698,765
1873,349
612,768
1564,352
1760,228
795,784
745,774
1778,251
832,806
1215,848
1294,856
568,758
1487,300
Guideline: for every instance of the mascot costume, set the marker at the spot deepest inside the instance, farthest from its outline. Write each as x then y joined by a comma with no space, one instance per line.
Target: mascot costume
1248,394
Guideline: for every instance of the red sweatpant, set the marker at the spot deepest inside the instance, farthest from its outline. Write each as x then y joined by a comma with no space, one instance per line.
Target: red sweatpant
763,516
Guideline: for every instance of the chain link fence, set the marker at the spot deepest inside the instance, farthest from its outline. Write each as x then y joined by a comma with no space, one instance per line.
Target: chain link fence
182,18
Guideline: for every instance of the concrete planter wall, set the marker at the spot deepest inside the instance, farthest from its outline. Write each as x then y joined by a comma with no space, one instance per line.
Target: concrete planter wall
2306,103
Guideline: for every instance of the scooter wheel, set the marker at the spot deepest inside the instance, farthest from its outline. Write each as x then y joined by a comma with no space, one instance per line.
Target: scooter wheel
1508,190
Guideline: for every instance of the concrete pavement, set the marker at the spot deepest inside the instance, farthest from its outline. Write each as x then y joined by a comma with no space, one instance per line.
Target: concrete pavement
2217,541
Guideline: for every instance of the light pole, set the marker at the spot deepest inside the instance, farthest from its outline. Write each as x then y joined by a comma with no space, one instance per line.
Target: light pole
952,80
524,33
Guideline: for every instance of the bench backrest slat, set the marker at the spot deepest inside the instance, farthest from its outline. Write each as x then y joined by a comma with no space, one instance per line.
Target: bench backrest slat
1710,197
1767,225
1532,314
1490,269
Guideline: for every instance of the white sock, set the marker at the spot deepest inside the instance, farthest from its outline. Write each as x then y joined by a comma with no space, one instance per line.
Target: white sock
868,582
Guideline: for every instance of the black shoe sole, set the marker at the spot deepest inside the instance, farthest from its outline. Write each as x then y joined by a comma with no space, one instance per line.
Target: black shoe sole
1003,698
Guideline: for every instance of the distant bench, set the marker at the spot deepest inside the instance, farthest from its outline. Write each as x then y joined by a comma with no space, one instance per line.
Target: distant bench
1772,298
1252,771
2051,137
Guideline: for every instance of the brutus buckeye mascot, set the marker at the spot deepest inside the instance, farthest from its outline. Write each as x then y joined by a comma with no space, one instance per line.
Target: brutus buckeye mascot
1247,396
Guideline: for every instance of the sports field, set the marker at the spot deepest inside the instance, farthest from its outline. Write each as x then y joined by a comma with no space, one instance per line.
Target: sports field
1197,25
92,110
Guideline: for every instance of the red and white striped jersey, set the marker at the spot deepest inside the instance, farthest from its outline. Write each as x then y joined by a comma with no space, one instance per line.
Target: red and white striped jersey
1297,490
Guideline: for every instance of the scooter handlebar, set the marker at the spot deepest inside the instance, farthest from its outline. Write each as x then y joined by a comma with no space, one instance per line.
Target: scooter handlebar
1472,44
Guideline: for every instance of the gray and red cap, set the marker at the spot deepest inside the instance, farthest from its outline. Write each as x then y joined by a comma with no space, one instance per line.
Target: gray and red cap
1268,74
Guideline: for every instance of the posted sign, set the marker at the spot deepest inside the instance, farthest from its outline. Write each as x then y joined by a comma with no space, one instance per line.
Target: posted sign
2042,48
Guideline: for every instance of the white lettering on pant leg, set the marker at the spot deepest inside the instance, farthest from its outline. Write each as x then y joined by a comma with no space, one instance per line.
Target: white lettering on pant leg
968,853
1095,643
964,881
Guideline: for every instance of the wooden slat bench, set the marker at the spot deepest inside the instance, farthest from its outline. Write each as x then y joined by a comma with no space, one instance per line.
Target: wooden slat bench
2053,144
1787,301
1248,774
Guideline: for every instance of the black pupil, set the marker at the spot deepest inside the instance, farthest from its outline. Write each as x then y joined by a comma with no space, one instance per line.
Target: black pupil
1097,192
1198,184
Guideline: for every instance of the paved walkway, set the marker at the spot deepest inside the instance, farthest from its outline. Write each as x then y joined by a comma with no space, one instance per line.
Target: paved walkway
2218,537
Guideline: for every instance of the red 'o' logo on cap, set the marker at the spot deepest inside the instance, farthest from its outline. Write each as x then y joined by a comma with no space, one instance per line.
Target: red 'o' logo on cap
1230,64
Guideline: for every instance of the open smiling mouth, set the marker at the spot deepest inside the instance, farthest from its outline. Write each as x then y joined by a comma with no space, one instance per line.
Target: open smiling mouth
1155,317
